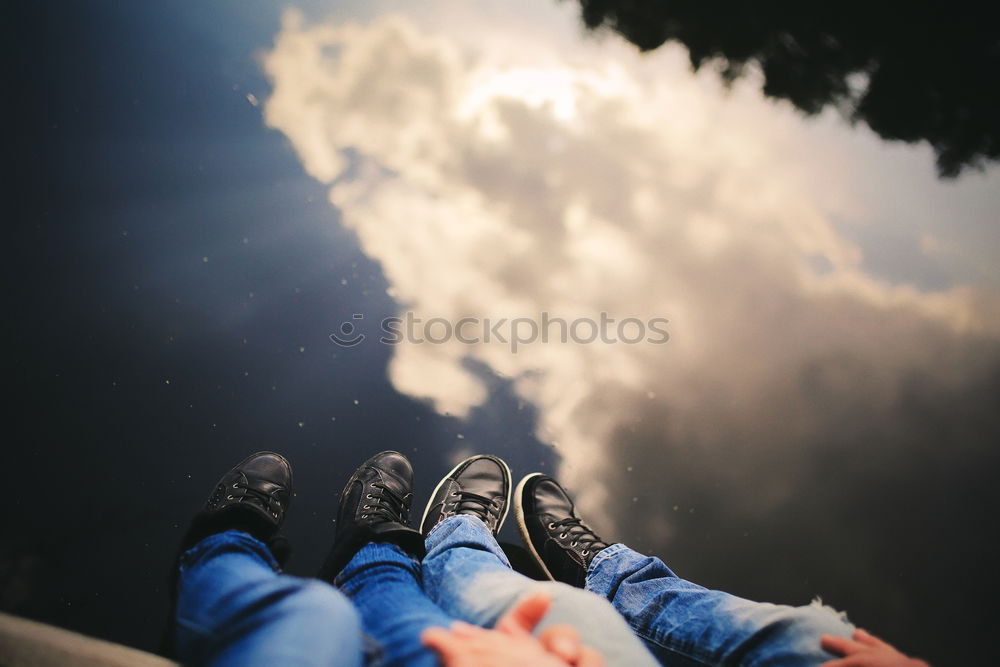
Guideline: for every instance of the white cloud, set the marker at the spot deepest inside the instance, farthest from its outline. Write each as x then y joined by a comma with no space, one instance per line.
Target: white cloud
489,185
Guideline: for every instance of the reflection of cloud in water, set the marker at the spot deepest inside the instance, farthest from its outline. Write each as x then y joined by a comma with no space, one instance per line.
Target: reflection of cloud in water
488,187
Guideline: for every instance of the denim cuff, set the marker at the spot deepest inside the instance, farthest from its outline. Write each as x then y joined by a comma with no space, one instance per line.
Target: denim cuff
459,534
374,554
603,555
231,541
474,523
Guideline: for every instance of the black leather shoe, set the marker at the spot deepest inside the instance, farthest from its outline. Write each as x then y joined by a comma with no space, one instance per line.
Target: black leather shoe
253,497
374,507
479,486
559,541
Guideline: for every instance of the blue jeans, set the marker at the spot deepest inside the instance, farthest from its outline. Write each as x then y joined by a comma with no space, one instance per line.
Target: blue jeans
467,574
234,608
383,582
685,624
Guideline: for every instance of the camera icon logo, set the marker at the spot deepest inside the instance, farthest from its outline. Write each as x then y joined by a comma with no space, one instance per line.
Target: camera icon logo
347,337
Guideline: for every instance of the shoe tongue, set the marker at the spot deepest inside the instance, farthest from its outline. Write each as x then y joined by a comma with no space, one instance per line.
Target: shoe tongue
551,499
266,487
474,506
583,530
393,492
251,499
256,501
260,492
483,478
393,483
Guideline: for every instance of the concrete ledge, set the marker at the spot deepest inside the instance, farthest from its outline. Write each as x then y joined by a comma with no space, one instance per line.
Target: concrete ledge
25,643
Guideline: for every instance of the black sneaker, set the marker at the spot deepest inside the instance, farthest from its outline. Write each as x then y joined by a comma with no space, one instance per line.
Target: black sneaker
374,507
253,497
560,542
479,486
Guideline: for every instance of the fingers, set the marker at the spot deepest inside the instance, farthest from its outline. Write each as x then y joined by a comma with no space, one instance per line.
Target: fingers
589,658
865,650
525,615
441,642
840,645
465,644
467,630
562,641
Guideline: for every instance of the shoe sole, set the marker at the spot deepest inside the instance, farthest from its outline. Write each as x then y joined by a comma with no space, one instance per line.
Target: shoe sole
506,508
522,525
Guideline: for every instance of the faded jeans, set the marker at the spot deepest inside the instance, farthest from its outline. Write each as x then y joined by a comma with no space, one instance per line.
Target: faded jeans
235,608
467,574
686,625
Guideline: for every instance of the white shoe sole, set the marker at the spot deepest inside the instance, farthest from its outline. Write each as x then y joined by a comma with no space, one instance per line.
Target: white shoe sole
522,526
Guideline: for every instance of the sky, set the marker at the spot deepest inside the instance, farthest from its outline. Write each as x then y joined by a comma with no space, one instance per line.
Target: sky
204,193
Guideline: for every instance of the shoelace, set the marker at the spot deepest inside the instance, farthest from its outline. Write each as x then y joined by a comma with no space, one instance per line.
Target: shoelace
581,533
387,504
258,497
473,503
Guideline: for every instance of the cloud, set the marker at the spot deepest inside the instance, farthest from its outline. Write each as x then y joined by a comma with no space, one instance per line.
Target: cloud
602,181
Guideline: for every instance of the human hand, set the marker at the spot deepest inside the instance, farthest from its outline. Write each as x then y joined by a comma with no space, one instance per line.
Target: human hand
511,643
865,650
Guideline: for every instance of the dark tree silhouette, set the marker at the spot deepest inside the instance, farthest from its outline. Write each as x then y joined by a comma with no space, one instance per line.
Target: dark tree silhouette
917,71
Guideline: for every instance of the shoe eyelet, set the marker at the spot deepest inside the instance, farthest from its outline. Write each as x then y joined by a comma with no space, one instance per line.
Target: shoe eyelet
563,536
274,515
366,507
552,526
236,485
573,544
364,516
454,493
229,498
368,495
585,552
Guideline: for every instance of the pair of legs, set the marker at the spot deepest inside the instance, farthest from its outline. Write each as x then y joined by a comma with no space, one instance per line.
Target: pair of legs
235,607
465,576
683,624
686,624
